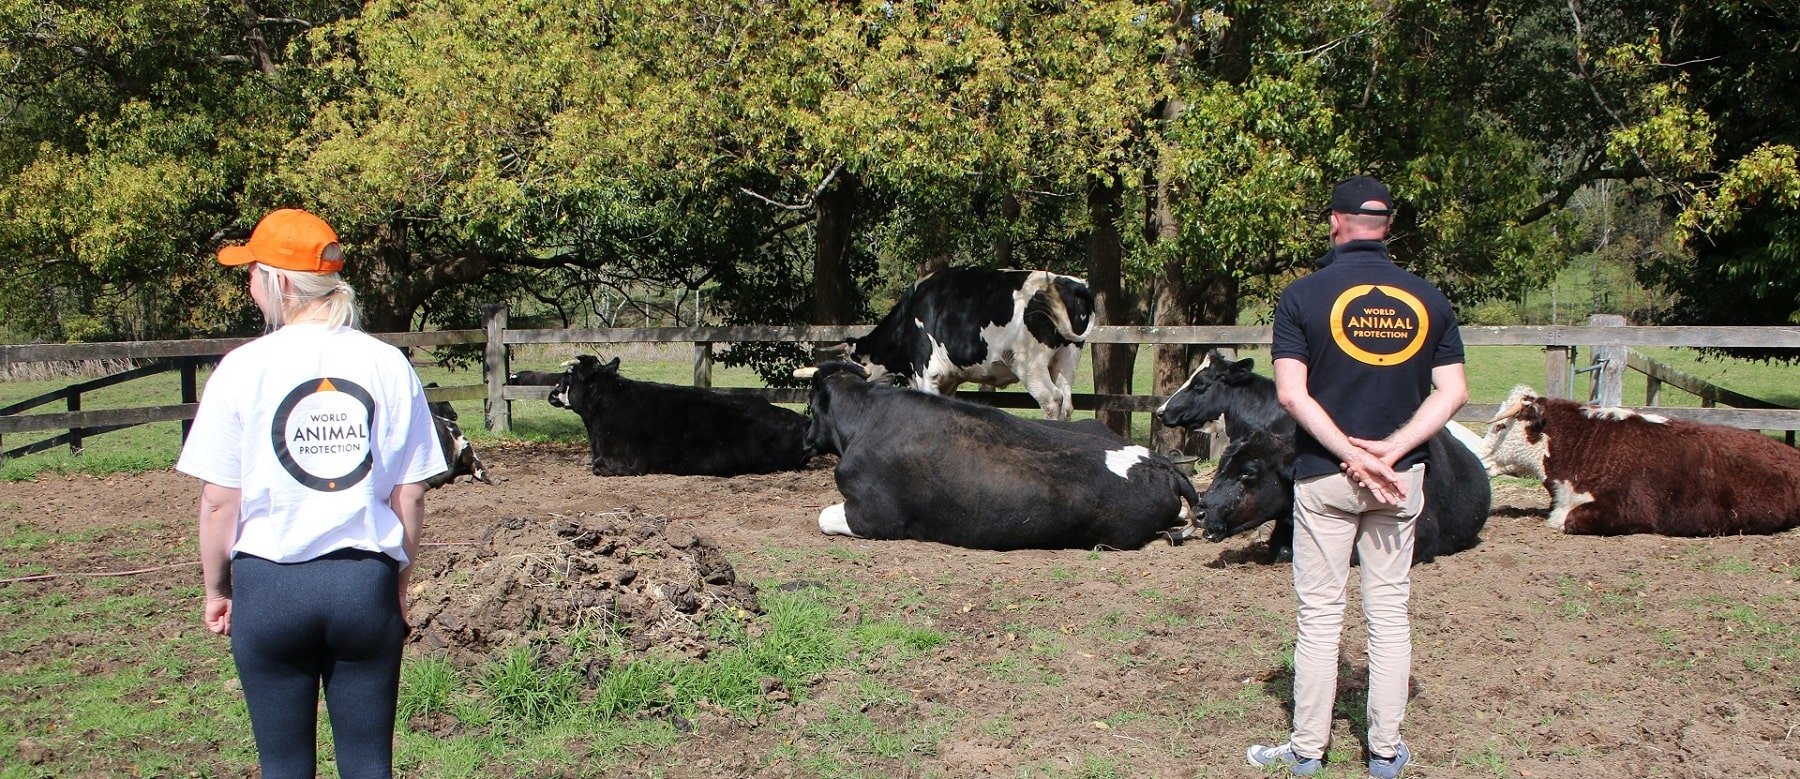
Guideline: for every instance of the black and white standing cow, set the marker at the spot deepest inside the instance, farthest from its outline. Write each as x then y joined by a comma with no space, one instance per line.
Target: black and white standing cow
993,327
912,465
458,454
637,427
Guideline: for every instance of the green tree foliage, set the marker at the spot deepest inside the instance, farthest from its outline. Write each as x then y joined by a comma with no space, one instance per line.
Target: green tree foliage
805,160
131,128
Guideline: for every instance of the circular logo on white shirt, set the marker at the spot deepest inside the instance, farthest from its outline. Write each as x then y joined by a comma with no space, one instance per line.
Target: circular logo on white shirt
322,433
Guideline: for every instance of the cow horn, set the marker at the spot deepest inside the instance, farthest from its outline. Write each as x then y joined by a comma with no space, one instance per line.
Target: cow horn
1508,411
806,372
570,363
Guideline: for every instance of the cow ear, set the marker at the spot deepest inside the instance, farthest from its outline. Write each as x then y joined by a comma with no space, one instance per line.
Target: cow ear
611,367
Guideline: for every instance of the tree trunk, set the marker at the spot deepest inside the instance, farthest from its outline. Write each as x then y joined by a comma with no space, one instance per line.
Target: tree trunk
938,246
387,294
1172,303
1112,362
1003,242
833,292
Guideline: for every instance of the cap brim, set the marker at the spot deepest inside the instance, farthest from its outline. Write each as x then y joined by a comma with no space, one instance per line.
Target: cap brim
236,255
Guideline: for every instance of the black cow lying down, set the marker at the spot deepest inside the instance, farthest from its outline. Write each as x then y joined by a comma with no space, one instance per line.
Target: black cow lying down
1255,484
925,467
457,452
637,427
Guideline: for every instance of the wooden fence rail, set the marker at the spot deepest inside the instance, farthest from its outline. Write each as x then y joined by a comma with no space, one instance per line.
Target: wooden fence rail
1562,345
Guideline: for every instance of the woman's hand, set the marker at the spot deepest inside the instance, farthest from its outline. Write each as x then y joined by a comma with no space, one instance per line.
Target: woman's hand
218,615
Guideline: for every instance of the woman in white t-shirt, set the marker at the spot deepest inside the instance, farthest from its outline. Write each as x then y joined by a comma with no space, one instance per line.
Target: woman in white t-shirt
313,443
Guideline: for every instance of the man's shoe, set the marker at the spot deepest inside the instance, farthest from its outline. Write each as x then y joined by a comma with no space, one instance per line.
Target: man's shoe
1389,767
1273,757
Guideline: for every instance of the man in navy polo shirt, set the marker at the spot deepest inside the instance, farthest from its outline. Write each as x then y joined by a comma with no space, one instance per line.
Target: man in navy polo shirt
1359,346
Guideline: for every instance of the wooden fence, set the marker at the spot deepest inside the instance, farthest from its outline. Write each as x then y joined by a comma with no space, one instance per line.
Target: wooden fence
1607,343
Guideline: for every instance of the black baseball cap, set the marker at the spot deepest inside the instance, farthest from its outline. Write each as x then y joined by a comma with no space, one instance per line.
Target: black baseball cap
1350,194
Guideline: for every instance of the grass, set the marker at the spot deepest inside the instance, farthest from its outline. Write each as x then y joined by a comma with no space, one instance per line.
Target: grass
123,683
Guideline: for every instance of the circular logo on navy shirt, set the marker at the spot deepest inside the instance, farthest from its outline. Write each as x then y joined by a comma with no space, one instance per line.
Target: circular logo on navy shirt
322,433
1379,325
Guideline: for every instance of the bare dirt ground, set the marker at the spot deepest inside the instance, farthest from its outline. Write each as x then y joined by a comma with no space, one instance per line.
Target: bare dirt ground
1536,654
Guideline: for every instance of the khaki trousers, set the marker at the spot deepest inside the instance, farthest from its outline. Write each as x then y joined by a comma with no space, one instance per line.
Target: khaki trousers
1331,516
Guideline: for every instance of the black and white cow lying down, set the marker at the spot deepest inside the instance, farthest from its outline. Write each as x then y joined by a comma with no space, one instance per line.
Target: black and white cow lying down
637,427
992,327
912,465
457,452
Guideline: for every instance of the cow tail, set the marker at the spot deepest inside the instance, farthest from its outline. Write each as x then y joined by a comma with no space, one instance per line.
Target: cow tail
1188,493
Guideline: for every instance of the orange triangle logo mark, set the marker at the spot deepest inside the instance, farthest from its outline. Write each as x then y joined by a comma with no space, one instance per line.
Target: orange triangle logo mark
326,386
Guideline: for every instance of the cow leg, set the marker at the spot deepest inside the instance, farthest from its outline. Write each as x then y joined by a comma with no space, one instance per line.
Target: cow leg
938,383
1281,540
1062,376
1564,499
833,522
1034,373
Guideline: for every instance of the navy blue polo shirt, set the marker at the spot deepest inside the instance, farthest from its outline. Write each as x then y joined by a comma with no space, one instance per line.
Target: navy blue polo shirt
1370,332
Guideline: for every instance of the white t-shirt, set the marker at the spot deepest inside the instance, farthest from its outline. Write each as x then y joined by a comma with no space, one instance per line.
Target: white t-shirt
315,425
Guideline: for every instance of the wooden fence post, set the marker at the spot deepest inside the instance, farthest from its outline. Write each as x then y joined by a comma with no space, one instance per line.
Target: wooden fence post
703,360
75,432
1558,360
1609,380
495,366
190,389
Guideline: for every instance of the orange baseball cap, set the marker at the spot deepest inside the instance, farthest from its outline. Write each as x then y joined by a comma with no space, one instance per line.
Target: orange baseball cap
290,239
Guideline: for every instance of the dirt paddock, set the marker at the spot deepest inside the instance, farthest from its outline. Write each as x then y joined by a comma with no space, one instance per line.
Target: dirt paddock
1536,654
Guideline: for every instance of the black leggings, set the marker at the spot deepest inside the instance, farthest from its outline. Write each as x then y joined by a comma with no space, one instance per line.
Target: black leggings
333,620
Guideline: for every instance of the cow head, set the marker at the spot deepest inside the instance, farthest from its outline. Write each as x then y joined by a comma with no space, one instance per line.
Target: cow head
826,433
1203,398
859,352
582,377
1515,444
1254,484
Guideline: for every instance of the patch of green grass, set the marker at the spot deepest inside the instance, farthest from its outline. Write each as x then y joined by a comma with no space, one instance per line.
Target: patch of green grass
1099,767
1573,603
1489,761
426,685
114,692
1762,643
1227,710
523,689
1732,564
849,730
1010,666
906,640
1003,727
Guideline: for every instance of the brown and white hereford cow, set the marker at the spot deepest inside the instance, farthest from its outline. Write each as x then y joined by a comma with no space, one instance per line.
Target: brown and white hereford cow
1612,471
